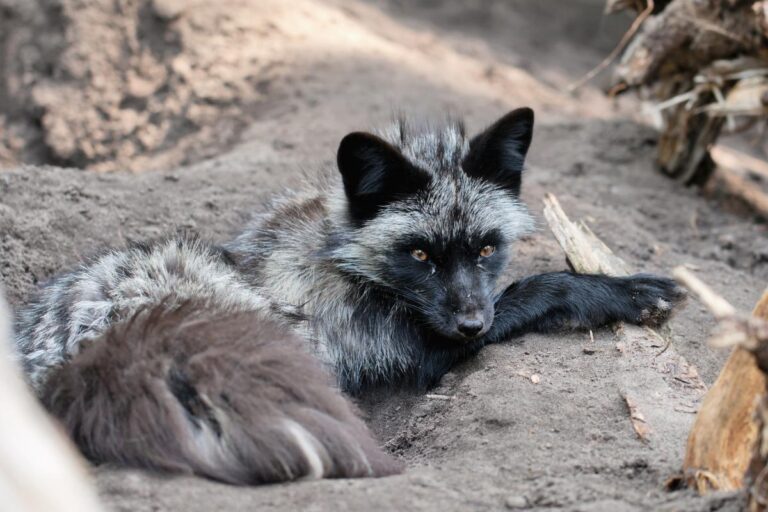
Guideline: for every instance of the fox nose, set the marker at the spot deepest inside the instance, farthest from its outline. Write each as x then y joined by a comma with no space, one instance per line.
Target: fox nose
469,326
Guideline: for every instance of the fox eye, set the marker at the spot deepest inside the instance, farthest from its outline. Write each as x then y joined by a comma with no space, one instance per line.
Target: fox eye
419,254
487,251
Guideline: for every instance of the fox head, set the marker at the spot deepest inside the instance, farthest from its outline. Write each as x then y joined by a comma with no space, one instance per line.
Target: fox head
431,215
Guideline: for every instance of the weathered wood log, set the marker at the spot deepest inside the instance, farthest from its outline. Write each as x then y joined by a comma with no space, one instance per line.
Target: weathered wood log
684,142
692,128
659,386
686,37
681,59
722,440
758,495
756,474
39,469
729,441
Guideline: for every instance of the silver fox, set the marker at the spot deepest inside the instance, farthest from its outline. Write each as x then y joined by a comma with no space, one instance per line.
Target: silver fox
389,271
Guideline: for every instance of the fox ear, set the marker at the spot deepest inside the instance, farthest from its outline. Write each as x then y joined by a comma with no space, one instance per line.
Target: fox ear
375,173
498,153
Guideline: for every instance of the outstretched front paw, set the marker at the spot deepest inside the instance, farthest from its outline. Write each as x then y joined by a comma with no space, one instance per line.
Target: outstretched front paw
653,298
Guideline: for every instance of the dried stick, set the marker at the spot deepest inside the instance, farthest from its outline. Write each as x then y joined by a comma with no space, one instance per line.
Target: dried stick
738,161
586,253
719,307
738,186
616,51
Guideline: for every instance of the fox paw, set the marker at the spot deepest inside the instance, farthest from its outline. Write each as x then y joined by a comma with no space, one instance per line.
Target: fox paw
653,299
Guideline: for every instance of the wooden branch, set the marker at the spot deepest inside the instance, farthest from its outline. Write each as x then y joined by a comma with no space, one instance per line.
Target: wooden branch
738,186
685,37
719,307
685,57
755,478
687,135
722,440
658,384
738,161
735,330
617,50
586,253
39,469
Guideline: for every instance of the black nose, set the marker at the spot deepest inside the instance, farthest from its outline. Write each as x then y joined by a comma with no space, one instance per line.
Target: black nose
469,326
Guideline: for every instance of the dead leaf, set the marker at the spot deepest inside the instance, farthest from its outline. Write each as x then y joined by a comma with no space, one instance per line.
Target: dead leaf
641,427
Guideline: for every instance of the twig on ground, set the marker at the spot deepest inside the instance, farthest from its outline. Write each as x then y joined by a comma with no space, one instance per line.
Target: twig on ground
640,426
738,161
714,302
740,187
618,49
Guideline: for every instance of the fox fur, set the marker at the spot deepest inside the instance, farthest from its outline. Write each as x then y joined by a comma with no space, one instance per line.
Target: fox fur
231,396
389,271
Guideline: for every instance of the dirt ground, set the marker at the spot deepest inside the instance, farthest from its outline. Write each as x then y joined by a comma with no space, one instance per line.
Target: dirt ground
300,75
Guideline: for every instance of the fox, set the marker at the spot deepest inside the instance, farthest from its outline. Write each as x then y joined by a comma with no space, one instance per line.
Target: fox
186,355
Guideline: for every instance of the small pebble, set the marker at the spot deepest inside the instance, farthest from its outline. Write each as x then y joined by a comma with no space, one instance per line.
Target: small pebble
514,502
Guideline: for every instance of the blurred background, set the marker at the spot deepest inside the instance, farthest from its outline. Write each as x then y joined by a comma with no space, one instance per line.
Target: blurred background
149,84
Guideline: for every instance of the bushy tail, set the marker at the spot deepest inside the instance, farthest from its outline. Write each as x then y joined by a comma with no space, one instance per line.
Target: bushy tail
234,397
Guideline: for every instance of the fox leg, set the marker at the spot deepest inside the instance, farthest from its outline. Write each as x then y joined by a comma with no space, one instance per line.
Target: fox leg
563,300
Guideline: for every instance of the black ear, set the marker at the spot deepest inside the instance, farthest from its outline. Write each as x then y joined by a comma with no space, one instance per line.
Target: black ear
375,173
498,154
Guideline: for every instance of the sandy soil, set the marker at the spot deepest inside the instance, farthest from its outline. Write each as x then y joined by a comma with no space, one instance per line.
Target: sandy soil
500,441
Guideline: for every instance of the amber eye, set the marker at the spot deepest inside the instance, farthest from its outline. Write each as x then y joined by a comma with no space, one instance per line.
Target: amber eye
420,255
487,251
